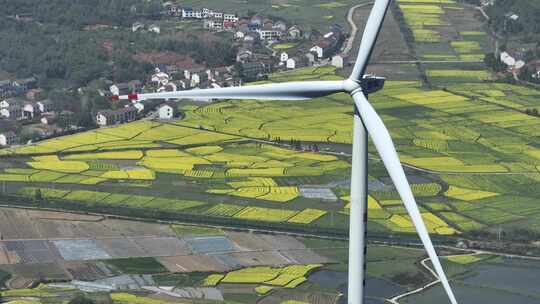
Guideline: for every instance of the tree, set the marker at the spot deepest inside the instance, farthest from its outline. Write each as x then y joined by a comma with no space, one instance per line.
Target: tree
81,299
38,195
493,62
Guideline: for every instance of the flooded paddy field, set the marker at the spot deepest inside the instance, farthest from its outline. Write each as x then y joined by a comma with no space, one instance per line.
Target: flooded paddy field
499,281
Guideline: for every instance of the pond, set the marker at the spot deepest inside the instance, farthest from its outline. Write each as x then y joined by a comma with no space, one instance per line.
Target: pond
377,289
506,281
469,294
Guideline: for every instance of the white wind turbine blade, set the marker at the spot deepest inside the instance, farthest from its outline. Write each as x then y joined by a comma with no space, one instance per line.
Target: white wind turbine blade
277,91
369,38
383,142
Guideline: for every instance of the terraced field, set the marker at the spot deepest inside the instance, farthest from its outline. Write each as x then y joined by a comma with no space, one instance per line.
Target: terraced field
461,135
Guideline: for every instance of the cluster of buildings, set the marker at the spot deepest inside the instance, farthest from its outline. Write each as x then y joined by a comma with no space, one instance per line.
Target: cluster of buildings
140,26
249,28
14,87
218,19
516,61
16,111
512,59
325,48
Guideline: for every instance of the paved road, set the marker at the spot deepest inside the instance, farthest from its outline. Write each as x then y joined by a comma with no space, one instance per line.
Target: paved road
354,28
395,300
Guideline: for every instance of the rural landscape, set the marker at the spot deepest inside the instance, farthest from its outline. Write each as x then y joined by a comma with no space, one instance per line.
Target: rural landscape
243,201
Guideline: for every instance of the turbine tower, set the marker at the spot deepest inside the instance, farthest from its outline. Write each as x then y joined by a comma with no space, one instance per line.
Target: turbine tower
366,121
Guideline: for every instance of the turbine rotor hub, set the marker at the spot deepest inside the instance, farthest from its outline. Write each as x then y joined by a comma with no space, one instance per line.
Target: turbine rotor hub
350,86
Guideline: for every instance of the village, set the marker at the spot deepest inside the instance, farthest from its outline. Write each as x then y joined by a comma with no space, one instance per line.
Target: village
263,46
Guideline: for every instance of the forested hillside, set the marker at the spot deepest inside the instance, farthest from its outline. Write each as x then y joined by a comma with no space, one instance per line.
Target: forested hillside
55,40
527,10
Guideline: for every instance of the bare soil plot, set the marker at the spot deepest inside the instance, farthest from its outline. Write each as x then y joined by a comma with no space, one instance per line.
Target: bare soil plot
193,263
265,258
57,229
51,271
282,242
23,222
80,250
395,71
14,225
8,257
131,228
228,260
88,271
33,251
306,256
33,224
391,44
121,247
247,241
167,246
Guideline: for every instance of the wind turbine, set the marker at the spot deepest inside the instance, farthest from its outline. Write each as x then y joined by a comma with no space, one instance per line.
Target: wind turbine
366,120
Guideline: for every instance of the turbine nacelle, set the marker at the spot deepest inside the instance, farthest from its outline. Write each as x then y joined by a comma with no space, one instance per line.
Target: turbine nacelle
371,84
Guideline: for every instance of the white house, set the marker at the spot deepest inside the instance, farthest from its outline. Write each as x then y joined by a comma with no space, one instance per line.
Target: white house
7,102
507,59
166,111
269,34
195,79
139,106
12,112
213,24
169,87
160,78
337,61
230,17
291,63
311,58
284,57
511,62
8,138
294,33
29,110
182,84
317,50
111,117
280,26
137,26
244,55
239,35
154,28
190,13
45,106
206,12
48,119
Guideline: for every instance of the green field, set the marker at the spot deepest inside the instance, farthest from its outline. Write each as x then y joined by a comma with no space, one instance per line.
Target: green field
473,154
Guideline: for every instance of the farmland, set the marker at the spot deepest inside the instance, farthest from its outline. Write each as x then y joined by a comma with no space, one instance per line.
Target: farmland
222,162
471,151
